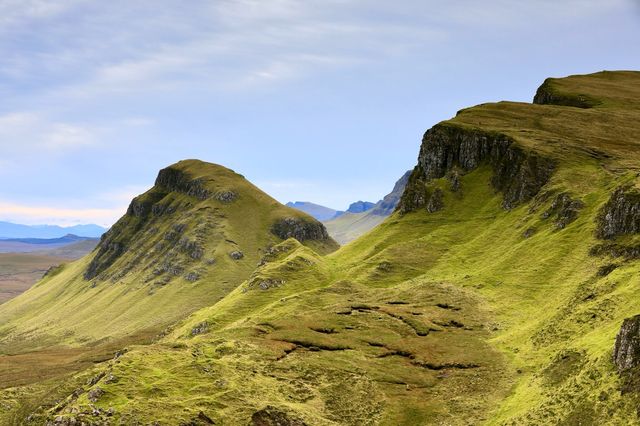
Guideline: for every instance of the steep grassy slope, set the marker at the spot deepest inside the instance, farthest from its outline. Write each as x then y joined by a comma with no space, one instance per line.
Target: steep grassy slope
480,301
182,245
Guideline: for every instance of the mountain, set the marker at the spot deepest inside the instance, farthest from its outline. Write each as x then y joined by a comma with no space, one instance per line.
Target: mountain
346,227
323,213
357,207
184,244
14,230
314,210
502,290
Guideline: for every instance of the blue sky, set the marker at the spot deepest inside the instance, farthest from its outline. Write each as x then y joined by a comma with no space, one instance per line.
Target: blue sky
317,100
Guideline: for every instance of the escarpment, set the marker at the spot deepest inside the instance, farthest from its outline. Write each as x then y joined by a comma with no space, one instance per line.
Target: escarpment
447,149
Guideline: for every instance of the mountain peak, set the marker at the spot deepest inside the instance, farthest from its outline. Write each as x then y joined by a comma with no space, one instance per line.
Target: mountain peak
183,244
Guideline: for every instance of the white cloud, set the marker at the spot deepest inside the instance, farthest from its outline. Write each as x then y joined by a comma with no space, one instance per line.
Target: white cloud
33,214
28,133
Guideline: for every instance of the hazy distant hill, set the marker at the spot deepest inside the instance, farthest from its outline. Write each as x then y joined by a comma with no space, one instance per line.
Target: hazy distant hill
364,216
316,211
15,230
28,245
323,213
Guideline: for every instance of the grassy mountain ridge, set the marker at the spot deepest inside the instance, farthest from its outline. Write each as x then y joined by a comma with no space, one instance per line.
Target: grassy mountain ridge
182,245
481,300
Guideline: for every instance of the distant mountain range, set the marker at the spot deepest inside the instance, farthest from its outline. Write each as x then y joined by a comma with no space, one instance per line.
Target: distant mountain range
316,211
363,216
382,208
67,239
13,230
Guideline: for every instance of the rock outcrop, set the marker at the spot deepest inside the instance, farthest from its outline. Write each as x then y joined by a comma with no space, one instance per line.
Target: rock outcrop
174,179
518,174
626,352
300,229
144,210
547,95
564,209
271,416
620,215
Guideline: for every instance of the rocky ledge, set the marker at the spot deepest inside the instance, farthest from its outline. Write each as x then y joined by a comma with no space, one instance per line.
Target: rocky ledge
448,149
176,180
626,352
300,229
620,215
546,95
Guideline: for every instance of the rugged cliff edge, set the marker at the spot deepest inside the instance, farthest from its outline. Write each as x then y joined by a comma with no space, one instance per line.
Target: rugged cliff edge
448,150
549,94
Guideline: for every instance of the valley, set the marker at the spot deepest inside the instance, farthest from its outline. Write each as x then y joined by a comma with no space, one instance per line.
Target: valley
23,263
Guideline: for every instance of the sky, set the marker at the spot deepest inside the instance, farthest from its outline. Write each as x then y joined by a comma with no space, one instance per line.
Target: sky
312,100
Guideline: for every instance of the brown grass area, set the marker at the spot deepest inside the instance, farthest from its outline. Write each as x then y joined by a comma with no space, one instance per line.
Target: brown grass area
19,271
38,366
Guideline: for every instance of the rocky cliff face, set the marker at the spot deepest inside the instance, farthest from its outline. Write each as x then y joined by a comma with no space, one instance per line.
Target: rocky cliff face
620,215
300,229
173,179
449,150
626,352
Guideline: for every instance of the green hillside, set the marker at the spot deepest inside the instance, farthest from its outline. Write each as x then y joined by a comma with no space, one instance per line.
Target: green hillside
182,245
493,294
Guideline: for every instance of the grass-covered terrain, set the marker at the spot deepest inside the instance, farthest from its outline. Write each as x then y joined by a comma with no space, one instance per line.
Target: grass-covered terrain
176,253
469,314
